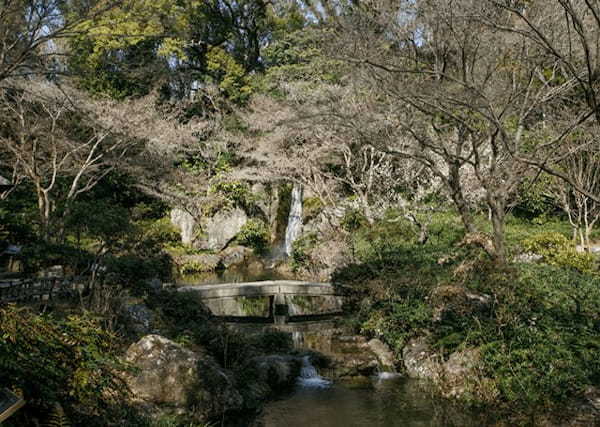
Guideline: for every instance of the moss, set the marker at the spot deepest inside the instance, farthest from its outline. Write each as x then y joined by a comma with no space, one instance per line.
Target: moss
196,267
254,307
312,207
254,234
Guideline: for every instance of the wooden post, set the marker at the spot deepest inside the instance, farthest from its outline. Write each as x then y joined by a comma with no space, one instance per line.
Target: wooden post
280,310
9,404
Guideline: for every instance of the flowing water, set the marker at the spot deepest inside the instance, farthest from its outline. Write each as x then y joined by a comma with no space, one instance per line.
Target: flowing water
294,226
310,378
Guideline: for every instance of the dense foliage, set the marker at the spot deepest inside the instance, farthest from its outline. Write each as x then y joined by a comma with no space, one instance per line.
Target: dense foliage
539,335
435,166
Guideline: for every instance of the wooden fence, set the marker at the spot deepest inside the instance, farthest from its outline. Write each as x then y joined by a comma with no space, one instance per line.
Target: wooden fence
36,289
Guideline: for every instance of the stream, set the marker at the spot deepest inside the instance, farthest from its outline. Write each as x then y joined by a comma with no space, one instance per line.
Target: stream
386,400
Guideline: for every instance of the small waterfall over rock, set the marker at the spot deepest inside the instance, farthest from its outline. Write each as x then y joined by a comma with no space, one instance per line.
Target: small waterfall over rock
309,377
294,226
297,339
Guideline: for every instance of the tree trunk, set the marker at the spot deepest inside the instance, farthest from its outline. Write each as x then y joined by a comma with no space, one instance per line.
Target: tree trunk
498,216
458,198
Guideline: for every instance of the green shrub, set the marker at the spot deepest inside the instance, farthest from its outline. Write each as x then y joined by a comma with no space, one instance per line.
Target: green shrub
132,270
312,207
160,231
545,346
353,220
193,267
235,193
255,234
72,362
301,249
398,322
538,336
557,250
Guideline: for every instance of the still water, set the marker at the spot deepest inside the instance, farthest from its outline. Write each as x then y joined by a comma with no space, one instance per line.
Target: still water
381,403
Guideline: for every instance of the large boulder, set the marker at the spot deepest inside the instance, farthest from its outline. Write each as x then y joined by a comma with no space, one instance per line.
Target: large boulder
186,224
384,354
223,227
454,377
277,371
167,374
460,368
267,375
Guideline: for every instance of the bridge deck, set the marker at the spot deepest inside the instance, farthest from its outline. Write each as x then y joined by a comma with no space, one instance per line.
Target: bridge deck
265,288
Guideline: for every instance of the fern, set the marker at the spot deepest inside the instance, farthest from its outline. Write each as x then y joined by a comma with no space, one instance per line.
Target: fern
57,417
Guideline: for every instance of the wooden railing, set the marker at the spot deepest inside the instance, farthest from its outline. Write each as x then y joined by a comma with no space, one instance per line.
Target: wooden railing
34,289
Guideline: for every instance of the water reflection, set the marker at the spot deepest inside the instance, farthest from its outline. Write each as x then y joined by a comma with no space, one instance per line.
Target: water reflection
231,275
382,403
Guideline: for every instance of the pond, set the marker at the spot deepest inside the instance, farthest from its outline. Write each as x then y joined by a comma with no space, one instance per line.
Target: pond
231,275
392,402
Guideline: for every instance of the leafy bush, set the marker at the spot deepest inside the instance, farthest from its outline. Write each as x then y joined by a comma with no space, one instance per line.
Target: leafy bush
544,347
538,336
556,249
255,234
236,193
131,270
398,322
72,362
159,232
300,250
312,207
353,220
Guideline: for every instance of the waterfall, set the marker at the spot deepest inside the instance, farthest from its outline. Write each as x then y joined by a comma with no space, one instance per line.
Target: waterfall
294,226
309,377
297,339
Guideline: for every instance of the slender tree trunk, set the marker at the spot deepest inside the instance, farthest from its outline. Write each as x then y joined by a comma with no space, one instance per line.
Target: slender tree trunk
367,211
498,216
459,200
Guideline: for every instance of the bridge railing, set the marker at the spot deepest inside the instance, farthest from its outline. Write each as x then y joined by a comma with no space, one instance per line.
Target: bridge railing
32,289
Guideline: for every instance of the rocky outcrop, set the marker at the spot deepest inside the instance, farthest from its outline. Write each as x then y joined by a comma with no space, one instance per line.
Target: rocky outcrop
384,355
170,375
276,370
454,377
350,355
460,368
235,255
269,374
420,361
186,224
222,228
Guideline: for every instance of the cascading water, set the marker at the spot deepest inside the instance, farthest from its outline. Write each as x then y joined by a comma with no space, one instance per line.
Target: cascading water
297,339
294,226
309,377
